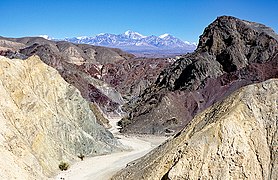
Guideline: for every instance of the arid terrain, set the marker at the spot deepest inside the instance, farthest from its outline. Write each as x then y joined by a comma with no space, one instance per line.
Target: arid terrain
98,167
80,111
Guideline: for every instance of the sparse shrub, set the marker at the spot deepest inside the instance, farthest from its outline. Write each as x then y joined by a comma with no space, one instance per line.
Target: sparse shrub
63,166
81,156
124,122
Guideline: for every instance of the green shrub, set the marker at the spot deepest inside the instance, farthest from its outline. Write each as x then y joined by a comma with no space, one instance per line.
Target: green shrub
63,166
81,156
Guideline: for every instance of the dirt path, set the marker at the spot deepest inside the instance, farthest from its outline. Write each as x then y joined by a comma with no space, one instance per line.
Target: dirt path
103,167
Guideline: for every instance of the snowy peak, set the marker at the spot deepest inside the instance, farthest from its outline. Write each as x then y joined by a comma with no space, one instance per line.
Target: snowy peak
133,35
164,36
81,37
133,41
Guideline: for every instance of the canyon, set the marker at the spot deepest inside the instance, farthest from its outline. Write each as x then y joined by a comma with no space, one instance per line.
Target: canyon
216,106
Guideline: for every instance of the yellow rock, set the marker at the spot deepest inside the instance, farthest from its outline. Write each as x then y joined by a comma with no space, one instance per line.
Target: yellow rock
44,121
234,139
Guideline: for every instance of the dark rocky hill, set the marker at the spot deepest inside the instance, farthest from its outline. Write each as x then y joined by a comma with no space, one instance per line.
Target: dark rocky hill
131,78
231,53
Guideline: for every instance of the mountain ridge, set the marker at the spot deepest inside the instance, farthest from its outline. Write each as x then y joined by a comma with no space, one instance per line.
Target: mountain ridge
135,42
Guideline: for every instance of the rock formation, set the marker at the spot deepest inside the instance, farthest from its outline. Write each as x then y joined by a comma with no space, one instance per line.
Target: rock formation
231,53
233,139
44,121
103,75
80,66
130,78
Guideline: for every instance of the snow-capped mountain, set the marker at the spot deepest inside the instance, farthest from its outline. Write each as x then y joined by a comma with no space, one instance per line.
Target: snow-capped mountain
134,35
137,43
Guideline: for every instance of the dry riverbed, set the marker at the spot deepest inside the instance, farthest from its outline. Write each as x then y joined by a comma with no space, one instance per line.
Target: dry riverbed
104,167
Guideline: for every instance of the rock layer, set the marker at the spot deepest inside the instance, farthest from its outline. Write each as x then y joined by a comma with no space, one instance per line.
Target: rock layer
44,121
236,138
231,53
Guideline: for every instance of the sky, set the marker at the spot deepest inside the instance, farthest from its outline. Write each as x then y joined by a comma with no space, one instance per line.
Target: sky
185,19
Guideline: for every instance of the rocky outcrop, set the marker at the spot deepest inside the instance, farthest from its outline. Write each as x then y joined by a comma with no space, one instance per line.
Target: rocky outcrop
236,138
10,48
131,78
5,43
44,121
231,53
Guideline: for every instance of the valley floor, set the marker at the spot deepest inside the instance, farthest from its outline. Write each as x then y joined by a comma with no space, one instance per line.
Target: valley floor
104,167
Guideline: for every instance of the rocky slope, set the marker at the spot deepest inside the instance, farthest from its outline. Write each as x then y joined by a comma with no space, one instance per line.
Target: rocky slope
236,138
79,65
44,121
231,53
131,78
103,75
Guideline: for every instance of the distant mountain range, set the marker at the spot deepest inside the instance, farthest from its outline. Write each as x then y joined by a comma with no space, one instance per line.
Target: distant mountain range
136,43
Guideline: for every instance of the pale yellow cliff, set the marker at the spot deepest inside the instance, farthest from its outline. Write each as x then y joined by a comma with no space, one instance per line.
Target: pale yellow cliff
44,121
234,139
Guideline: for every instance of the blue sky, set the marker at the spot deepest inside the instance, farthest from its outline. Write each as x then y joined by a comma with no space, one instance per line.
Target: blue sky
185,19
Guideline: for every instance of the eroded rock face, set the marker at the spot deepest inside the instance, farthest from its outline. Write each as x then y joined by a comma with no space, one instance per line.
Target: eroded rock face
231,53
236,138
106,76
44,121
84,77
131,78
79,65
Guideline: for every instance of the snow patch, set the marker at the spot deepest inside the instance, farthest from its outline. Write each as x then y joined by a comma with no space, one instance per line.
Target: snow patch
190,43
81,37
46,37
134,35
164,36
